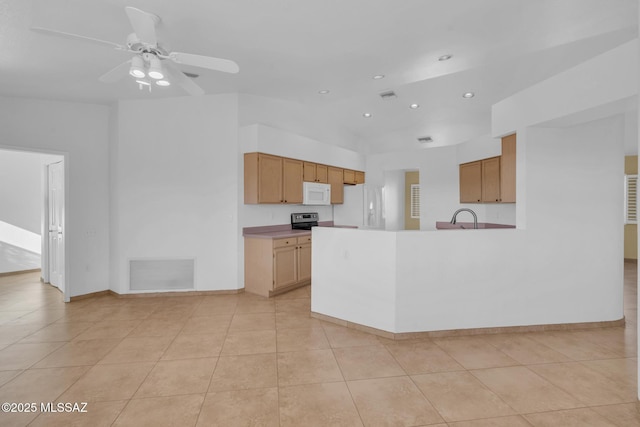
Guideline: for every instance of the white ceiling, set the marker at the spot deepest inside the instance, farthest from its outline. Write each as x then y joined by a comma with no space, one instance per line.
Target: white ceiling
291,49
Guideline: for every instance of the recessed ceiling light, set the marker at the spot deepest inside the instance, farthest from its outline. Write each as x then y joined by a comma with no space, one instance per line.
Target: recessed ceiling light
445,57
414,106
378,77
367,115
323,91
468,95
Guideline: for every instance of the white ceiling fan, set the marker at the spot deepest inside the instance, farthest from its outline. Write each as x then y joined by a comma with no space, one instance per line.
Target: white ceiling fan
150,62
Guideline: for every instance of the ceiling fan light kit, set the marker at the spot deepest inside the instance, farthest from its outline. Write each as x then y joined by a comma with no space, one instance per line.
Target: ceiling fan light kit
155,69
148,56
137,67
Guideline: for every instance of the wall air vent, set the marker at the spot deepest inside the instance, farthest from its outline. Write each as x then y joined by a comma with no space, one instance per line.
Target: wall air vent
191,75
161,274
425,139
388,95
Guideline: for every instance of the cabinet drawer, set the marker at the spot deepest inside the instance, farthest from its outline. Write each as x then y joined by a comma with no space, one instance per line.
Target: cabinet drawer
303,240
280,243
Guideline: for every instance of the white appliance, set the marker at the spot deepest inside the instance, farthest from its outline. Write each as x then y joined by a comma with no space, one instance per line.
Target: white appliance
316,193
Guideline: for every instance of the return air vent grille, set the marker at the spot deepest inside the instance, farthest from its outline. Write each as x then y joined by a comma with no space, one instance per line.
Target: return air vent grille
388,95
161,274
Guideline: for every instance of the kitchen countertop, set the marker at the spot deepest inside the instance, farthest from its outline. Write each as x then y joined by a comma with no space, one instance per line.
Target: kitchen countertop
283,231
446,225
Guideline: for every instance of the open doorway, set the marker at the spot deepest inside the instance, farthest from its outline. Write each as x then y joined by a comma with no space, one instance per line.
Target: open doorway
412,200
32,215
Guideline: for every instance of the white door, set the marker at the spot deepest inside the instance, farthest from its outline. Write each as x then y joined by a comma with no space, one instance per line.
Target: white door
56,224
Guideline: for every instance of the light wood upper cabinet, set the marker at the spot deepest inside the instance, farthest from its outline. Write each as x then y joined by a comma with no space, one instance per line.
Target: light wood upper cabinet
336,179
272,179
349,177
480,181
352,177
275,179
508,169
471,182
314,172
491,180
292,181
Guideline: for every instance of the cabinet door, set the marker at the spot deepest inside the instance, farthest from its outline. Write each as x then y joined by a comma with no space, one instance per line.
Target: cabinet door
304,262
349,177
285,266
336,179
359,177
471,182
321,174
269,179
292,179
309,174
508,169
491,180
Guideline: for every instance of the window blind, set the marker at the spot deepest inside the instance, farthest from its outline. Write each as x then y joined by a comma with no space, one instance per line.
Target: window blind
630,199
415,201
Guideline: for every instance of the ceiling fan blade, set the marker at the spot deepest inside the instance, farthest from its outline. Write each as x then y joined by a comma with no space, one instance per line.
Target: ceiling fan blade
78,37
144,25
185,82
201,61
116,74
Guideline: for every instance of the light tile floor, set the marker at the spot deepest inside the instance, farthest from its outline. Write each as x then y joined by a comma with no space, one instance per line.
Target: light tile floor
244,360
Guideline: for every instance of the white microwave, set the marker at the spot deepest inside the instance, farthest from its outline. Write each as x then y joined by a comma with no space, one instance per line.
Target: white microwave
316,193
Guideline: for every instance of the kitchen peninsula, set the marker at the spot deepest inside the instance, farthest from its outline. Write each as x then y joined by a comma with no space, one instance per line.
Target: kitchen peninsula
404,282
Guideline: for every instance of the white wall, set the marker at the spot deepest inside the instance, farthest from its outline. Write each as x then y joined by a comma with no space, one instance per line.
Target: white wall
574,208
80,133
596,83
564,268
267,139
294,117
274,141
20,192
174,182
439,179
394,199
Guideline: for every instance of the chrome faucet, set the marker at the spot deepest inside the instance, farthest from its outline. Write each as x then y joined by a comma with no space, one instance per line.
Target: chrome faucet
475,218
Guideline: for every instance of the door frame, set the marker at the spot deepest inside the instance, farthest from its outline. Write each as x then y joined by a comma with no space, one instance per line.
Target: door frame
46,242
44,219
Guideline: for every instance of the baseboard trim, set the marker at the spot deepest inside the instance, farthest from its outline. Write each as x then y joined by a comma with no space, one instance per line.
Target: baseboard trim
89,295
155,294
178,294
469,332
15,273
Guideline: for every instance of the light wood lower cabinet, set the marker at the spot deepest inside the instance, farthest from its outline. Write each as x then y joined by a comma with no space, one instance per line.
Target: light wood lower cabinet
273,266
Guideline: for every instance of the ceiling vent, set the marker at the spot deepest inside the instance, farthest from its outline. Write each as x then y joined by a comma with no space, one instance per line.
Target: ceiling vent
425,139
388,95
